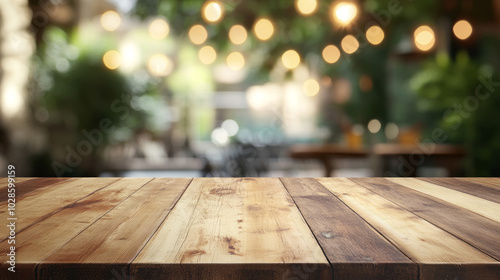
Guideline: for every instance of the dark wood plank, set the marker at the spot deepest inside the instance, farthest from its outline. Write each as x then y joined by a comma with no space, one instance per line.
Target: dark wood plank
478,190
471,227
488,182
39,241
354,249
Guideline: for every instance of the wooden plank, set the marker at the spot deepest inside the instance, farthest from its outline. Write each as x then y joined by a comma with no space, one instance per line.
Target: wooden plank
25,186
354,249
471,227
115,239
474,189
43,203
39,241
481,206
490,182
428,245
225,228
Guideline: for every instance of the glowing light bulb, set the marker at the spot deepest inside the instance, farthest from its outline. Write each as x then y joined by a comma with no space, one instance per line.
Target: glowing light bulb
290,59
160,65
212,11
424,38
237,34
158,29
198,34
311,87
462,29
375,35
207,55
345,12
349,44
263,29
235,61
306,7
112,59
110,20
331,54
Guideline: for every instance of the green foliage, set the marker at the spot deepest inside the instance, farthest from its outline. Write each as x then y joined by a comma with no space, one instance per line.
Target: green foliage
448,95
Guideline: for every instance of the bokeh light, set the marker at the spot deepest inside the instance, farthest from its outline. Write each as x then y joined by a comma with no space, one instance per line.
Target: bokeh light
345,12
331,54
112,59
207,55
238,34
306,7
311,87
263,29
160,65
198,34
158,29
231,127
235,61
462,29
374,126
220,137
290,59
110,20
424,38
212,11
349,44
375,35
391,131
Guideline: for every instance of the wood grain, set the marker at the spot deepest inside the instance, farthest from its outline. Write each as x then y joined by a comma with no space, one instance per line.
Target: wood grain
42,203
490,182
251,224
474,189
25,186
420,240
481,206
40,240
354,249
471,227
116,238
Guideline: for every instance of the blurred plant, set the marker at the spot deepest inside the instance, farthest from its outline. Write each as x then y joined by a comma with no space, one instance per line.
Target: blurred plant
76,92
447,94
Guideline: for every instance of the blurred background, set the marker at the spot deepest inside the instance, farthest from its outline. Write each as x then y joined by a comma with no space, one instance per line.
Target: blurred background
250,88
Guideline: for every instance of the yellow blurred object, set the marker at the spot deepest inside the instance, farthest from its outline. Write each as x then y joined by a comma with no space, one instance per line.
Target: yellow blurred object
354,140
110,20
410,136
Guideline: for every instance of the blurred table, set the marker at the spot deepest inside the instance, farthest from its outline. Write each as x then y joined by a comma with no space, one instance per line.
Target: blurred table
326,153
410,157
253,228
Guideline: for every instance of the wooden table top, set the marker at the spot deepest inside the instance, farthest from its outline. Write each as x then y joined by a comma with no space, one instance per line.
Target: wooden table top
253,228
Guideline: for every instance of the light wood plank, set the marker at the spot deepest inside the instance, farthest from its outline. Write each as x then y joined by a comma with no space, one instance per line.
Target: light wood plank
351,245
471,227
481,206
25,186
40,240
115,239
251,224
478,190
43,203
421,241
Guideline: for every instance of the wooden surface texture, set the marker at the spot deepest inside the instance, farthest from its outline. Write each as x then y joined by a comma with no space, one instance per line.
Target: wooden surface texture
253,228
